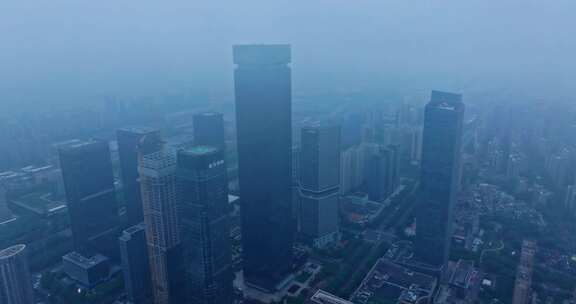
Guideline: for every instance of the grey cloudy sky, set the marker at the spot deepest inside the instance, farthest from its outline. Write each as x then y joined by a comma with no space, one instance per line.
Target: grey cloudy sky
71,50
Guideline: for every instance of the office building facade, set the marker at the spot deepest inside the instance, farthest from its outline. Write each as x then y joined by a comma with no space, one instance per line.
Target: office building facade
15,279
161,199
135,264
439,177
205,225
209,130
91,197
262,81
319,185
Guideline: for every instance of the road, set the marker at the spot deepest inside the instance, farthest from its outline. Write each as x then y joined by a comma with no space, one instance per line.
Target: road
400,212
500,247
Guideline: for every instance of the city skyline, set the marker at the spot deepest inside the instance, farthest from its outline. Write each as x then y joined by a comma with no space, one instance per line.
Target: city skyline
287,152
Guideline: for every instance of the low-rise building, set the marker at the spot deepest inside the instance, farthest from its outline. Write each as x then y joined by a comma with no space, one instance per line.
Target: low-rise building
87,271
388,281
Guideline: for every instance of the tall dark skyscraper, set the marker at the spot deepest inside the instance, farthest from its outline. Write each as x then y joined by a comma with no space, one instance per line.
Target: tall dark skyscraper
319,184
135,264
131,145
161,199
263,116
91,197
209,130
203,182
15,279
439,177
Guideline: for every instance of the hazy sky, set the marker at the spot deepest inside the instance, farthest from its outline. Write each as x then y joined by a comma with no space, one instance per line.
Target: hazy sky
72,50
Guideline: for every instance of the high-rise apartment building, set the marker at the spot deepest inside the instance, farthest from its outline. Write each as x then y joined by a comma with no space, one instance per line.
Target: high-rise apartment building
263,116
161,202
203,182
15,279
439,179
319,185
133,142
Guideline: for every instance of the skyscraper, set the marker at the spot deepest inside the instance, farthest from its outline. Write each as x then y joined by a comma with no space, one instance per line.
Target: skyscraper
15,279
161,198
135,264
131,144
209,130
263,116
439,177
91,197
319,184
203,182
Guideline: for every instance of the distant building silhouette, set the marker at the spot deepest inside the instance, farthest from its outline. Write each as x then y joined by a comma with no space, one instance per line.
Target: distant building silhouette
131,145
205,223
15,279
91,197
263,115
439,180
382,172
351,169
209,130
135,264
319,184
161,201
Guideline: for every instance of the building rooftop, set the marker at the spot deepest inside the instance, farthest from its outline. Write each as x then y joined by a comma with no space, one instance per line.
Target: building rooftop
323,297
36,169
446,101
140,130
159,160
82,261
64,143
41,203
126,234
232,199
208,114
390,281
11,251
441,96
200,150
462,274
77,146
391,272
262,54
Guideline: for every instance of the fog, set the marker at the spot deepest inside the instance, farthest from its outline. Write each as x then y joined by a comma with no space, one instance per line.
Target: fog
70,51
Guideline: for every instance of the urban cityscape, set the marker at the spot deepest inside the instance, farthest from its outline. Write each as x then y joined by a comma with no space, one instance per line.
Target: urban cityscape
277,195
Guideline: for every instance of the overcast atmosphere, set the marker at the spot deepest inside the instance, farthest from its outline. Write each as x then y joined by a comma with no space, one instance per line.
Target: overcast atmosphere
287,151
68,51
